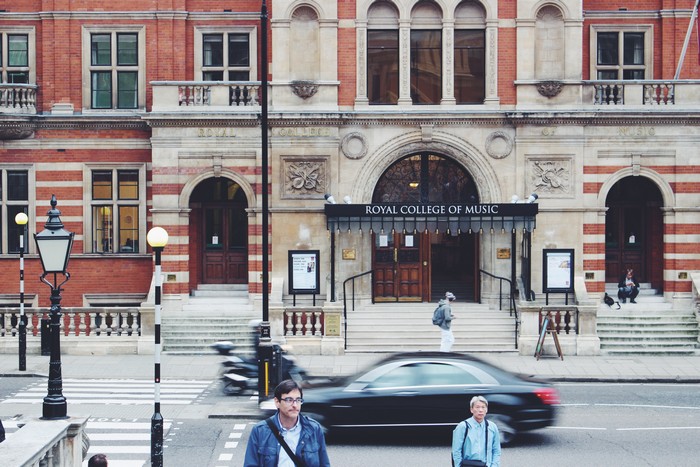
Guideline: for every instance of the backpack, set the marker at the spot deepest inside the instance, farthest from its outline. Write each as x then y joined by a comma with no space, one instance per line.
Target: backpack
438,316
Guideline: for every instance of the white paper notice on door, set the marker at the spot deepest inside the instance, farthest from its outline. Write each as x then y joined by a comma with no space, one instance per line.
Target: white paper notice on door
383,240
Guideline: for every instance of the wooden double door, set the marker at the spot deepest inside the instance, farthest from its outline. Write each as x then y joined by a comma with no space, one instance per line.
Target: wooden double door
420,267
634,232
224,241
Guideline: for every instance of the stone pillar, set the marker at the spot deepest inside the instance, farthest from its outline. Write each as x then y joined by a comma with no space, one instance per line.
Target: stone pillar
146,342
529,327
587,342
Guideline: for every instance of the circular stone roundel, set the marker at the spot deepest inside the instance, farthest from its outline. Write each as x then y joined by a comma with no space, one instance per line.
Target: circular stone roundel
354,146
499,145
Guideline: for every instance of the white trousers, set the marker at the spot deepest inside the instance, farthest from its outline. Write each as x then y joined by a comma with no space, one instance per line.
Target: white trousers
447,340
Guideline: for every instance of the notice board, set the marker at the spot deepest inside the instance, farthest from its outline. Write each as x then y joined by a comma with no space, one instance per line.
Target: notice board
304,276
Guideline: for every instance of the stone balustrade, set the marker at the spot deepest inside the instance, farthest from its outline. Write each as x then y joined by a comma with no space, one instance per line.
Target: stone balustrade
199,96
109,329
46,443
18,98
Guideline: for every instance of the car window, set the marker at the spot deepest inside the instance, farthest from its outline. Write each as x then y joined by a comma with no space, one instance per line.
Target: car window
405,375
443,374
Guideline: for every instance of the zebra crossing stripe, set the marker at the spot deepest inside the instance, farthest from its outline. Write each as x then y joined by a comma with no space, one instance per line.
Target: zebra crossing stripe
120,392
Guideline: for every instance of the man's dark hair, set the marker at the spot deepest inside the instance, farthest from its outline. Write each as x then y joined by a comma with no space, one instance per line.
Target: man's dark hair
98,460
285,387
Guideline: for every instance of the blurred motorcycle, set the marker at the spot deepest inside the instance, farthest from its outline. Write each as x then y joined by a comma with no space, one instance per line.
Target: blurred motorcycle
239,373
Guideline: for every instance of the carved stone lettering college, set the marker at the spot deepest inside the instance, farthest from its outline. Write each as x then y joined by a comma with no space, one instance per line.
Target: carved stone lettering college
303,132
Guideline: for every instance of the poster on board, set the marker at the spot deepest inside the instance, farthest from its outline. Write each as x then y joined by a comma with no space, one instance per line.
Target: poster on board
557,270
304,276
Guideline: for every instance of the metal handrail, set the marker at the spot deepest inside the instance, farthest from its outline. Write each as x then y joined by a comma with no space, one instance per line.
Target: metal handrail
345,300
511,299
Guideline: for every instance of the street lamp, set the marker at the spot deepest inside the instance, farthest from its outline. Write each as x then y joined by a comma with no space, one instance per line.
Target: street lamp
157,237
21,220
54,244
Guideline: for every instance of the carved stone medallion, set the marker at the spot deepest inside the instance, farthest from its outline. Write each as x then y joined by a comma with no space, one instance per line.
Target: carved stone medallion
499,145
354,145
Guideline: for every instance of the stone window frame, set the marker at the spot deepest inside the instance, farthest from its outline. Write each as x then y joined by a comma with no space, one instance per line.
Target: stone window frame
88,203
87,31
405,25
648,31
200,31
30,203
30,32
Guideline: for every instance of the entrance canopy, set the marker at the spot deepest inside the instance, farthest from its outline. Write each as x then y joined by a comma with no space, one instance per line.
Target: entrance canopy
418,217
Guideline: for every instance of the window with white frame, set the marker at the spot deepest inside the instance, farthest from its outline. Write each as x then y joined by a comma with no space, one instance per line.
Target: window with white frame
117,209
621,53
225,55
114,65
14,196
17,58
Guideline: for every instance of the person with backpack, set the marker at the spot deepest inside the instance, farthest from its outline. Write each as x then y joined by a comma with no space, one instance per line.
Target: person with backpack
442,317
476,442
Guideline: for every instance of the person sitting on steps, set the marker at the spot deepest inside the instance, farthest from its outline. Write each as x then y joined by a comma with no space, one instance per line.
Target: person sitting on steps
628,287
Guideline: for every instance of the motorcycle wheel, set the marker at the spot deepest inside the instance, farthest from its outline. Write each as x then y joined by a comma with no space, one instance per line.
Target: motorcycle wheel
230,388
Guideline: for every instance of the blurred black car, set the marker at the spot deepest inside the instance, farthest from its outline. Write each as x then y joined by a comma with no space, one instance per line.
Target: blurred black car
431,390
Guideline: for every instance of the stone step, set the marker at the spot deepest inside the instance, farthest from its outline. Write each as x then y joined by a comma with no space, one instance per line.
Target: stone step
631,351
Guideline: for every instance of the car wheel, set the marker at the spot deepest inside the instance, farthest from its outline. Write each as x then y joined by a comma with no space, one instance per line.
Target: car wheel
505,428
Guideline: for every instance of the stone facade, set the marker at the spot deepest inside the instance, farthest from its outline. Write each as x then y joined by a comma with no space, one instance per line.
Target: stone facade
546,125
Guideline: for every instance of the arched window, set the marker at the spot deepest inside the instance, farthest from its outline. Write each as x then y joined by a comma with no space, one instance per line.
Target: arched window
426,53
383,54
425,178
470,53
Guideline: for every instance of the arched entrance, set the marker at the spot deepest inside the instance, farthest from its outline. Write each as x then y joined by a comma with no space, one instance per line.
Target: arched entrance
412,265
634,231
219,232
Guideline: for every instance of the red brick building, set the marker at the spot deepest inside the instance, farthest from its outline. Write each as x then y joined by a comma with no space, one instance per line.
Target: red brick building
144,113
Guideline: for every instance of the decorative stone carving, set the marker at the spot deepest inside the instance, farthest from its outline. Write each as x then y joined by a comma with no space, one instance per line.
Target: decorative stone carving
499,145
15,132
549,89
304,177
354,145
552,176
304,88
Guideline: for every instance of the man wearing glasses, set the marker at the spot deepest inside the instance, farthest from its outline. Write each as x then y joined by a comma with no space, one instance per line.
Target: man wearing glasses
287,439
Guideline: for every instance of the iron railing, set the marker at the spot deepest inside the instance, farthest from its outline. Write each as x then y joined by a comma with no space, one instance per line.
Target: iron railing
511,299
345,299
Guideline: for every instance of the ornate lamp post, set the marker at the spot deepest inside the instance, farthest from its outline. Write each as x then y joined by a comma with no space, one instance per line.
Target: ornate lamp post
21,220
54,244
157,237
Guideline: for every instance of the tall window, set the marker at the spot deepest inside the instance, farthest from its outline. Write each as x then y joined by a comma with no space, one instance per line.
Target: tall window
426,66
383,66
17,58
226,57
470,66
14,196
114,70
115,209
621,55
14,58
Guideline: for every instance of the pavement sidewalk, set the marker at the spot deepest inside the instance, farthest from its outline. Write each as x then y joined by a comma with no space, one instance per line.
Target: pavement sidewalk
633,368
647,369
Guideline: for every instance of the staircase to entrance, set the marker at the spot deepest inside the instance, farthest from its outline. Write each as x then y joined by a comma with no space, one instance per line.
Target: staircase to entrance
649,327
402,327
214,312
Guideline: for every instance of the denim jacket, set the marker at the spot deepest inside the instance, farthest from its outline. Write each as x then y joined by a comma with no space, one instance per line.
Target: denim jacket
461,449
263,448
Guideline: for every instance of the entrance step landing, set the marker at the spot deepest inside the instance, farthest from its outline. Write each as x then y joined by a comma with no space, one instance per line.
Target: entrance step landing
213,313
649,327
402,327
